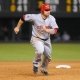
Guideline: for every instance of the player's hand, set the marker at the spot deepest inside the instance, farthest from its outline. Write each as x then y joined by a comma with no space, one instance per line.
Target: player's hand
47,29
44,28
16,30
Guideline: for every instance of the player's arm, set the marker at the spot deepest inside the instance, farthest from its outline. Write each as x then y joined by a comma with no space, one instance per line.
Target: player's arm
50,31
54,26
26,17
17,28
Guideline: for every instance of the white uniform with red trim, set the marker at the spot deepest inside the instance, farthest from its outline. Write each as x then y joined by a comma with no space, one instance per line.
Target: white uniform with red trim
41,39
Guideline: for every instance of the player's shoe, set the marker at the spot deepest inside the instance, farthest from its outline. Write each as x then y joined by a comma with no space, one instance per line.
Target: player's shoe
44,71
35,69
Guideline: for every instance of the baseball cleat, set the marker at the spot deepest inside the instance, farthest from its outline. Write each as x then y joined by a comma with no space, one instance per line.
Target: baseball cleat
35,69
43,71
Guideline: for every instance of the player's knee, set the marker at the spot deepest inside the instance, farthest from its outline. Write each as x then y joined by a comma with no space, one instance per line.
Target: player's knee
40,51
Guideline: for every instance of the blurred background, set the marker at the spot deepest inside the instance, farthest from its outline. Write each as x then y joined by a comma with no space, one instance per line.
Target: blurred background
66,12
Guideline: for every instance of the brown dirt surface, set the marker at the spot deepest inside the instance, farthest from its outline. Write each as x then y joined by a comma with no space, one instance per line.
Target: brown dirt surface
23,71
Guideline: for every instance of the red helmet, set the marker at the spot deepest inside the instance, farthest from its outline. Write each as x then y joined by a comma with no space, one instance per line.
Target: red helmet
45,7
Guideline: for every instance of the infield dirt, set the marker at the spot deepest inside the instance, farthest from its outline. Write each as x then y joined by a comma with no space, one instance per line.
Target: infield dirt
23,71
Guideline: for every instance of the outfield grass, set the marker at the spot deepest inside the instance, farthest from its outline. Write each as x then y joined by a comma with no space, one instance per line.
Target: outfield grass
25,51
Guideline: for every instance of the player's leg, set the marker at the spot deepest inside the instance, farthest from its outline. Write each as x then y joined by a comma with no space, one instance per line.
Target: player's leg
39,49
44,65
46,58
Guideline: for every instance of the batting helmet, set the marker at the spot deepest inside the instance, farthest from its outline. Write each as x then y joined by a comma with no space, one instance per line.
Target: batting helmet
45,7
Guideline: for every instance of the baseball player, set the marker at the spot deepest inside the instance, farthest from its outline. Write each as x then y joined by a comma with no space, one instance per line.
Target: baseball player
44,24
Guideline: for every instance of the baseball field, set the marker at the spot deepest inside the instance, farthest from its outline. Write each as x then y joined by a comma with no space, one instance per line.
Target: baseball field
16,62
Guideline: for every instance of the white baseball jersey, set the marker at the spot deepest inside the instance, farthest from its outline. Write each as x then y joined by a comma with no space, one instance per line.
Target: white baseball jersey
39,22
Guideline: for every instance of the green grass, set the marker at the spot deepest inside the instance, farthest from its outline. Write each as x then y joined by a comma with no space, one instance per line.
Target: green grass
25,51
16,51
70,51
